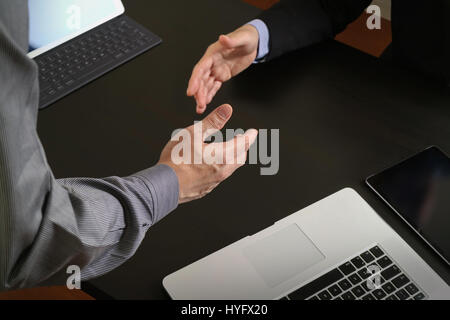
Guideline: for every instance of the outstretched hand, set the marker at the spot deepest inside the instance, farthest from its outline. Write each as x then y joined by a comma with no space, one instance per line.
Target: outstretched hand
230,55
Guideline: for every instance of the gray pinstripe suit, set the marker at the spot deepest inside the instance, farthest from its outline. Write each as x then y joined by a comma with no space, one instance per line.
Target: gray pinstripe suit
48,224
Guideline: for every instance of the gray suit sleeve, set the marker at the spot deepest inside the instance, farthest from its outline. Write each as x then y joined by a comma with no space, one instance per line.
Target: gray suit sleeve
46,224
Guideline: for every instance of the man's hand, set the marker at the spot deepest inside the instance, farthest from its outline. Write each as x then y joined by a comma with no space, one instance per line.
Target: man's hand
197,180
230,55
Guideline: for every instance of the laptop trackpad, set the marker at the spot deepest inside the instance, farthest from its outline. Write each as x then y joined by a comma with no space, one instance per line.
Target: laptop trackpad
283,255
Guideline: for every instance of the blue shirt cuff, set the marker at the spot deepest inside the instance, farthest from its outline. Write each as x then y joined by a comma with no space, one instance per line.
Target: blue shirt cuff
263,46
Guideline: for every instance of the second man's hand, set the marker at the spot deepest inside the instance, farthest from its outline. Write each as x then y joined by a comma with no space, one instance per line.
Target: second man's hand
227,57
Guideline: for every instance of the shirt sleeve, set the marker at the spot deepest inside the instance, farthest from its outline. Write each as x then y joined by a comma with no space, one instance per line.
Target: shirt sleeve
263,44
47,225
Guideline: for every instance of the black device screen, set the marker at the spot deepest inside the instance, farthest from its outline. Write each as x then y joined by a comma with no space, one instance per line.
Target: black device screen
419,190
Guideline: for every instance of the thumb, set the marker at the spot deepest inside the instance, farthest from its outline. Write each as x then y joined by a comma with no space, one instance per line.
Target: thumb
233,40
217,119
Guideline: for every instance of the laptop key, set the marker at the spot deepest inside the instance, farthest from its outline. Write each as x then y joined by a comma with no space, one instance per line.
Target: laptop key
367,256
384,262
392,297
379,294
335,290
402,294
376,251
368,296
358,291
344,284
347,268
358,262
391,272
419,296
364,273
388,287
348,296
400,281
324,295
317,285
355,279
411,288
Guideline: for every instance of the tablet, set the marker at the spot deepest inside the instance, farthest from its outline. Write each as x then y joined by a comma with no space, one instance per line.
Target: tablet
418,189
53,22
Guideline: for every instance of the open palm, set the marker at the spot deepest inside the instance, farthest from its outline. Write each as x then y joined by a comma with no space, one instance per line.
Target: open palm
224,59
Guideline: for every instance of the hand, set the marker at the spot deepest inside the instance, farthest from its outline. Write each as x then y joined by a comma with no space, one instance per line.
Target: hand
224,59
197,180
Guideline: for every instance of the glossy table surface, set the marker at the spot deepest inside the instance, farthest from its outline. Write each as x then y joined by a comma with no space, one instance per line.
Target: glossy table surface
342,115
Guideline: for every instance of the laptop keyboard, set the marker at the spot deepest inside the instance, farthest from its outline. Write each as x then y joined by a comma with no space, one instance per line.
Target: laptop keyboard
90,55
371,275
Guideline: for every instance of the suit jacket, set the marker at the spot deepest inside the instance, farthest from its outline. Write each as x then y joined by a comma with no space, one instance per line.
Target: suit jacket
421,29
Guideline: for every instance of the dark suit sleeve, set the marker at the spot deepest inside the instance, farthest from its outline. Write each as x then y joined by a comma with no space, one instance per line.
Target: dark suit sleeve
295,24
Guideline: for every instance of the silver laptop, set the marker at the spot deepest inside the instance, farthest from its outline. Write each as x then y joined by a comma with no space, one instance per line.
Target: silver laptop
338,248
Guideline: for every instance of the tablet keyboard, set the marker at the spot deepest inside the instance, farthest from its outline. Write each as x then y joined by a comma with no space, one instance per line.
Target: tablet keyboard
90,55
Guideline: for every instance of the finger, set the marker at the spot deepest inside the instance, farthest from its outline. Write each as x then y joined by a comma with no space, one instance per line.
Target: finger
217,119
202,67
201,97
209,84
212,93
237,148
250,138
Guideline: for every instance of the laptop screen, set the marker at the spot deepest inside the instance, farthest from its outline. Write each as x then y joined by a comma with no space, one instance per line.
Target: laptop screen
53,22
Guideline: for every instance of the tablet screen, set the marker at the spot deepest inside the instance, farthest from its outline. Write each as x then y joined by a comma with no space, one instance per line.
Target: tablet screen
419,190
53,22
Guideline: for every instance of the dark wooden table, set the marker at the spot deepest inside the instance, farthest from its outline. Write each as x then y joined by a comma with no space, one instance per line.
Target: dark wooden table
342,115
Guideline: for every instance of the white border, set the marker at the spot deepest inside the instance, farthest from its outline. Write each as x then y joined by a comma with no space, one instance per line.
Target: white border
120,10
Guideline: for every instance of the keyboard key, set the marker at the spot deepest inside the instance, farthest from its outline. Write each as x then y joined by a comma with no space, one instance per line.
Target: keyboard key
379,294
372,283
419,296
344,284
391,272
314,298
388,288
411,288
376,251
368,296
347,268
402,294
317,285
384,262
364,273
358,262
400,281
338,298
324,295
348,296
392,297
335,290
354,278
367,257
358,291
